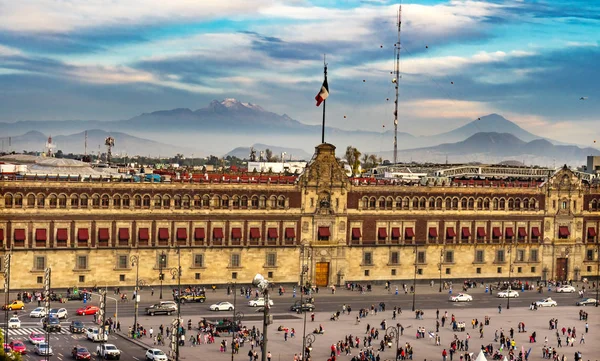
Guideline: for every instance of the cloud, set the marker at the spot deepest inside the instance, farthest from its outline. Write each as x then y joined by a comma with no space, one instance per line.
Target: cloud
8,51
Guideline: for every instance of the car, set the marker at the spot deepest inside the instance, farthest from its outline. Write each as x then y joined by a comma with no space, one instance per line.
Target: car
14,322
461,297
259,302
566,289
586,302
546,302
94,334
108,351
81,353
51,324
36,337
155,354
76,326
508,293
305,307
167,307
38,312
221,306
18,346
14,305
87,310
59,313
190,297
43,349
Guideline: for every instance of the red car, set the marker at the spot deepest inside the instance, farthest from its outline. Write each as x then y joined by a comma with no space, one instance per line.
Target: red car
88,310
81,353
18,346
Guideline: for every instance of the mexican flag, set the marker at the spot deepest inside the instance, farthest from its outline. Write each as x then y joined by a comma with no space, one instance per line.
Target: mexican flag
323,94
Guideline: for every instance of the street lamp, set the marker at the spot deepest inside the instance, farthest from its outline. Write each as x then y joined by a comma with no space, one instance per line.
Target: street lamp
135,262
415,279
263,285
237,317
440,266
308,341
394,332
509,276
303,271
6,293
176,272
161,275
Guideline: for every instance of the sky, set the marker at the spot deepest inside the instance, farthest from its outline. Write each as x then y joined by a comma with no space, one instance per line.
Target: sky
528,60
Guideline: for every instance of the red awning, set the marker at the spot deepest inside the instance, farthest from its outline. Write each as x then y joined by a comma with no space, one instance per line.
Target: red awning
144,234
466,232
103,234
254,233
272,233
356,233
20,235
199,233
395,232
481,232
1,235
450,232
83,234
433,232
509,232
236,233
181,234
592,232
408,231
290,233
563,231
40,235
535,231
382,232
324,232
123,234
62,235
496,232
522,232
163,234
218,233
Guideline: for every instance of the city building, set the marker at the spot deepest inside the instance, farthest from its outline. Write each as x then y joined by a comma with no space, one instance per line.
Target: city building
227,228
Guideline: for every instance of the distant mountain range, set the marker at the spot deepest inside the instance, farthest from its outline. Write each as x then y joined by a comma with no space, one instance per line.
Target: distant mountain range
290,153
222,125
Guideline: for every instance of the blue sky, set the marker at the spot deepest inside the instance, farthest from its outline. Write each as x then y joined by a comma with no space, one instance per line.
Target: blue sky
530,61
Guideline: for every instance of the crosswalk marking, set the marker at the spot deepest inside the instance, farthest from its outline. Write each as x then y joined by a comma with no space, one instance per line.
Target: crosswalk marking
28,330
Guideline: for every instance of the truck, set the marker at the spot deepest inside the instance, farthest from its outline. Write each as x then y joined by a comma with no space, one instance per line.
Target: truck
190,297
108,351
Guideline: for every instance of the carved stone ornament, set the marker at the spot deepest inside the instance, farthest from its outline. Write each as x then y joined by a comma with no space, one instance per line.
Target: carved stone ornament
305,227
579,226
547,226
342,226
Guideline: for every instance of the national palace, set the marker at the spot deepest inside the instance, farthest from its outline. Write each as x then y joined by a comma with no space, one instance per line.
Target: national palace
227,229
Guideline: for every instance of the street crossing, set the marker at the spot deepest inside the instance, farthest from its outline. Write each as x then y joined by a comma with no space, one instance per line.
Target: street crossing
26,331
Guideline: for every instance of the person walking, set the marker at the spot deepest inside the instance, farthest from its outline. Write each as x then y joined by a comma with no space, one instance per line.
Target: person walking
499,308
444,355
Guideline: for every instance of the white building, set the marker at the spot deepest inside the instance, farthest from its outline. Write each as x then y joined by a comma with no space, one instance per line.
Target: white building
277,167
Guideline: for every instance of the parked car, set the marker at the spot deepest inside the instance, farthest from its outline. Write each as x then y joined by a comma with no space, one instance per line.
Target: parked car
87,310
14,305
508,294
76,326
221,306
566,289
259,302
155,354
59,313
38,312
36,337
18,346
587,302
43,349
14,322
546,302
81,353
461,297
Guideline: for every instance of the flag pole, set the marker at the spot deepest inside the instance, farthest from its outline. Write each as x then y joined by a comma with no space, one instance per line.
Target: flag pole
324,102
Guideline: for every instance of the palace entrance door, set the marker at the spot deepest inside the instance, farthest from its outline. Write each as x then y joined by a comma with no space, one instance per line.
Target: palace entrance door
322,274
562,269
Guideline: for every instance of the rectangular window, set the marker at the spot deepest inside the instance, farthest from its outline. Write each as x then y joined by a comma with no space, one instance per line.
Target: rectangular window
533,269
122,262
420,271
82,262
449,257
198,260
421,257
235,260
499,270
39,263
519,269
589,255
533,255
197,276
367,273
478,270
121,278
479,256
500,255
589,268
271,259
520,255
367,258
234,275
81,279
393,272
448,271
270,274
40,279
394,258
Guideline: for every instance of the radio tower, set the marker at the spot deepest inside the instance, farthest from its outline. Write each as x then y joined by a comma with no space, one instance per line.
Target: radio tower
50,147
396,79
109,143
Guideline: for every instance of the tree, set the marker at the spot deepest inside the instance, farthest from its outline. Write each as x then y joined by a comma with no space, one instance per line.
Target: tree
269,155
370,161
352,156
59,154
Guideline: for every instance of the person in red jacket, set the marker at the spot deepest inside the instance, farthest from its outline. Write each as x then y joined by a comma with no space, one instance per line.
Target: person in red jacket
444,354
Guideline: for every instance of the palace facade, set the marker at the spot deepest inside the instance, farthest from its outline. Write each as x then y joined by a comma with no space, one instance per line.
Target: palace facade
227,229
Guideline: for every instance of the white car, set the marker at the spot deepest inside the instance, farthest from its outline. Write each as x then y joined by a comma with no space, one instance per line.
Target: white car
94,335
221,306
461,297
155,354
566,289
259,302
59,313
38,312
14,322
508,294
546,302
43,349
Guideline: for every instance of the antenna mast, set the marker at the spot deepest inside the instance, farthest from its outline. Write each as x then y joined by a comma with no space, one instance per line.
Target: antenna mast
85,144
395,81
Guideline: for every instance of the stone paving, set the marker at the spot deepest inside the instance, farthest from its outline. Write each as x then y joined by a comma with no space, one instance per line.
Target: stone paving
424,349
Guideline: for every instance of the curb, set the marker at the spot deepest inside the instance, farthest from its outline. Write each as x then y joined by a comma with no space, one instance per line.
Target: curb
133,341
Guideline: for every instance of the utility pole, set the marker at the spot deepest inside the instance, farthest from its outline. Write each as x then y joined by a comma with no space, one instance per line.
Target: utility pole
509,276
396,80
135,261
47,275
6,293
161,275
414,295
176,335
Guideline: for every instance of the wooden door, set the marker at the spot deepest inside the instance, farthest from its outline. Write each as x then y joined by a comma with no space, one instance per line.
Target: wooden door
562,269
322,274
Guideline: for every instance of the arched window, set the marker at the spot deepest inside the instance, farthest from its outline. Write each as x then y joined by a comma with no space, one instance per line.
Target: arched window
157,201
502,204
105,201
448,203
225,202
262,202
518,203
31,200
166,202
389,201
438,203
431,203
372,203
177,201
511,204
41,201
422,203
116,201
185,202
406,203
126,201
455,203
398,203
533,204
526,203
281,202
593,205
52,201
463,203
95,201
479,203
18,201
244,202
146,201
254,202
137,201
272,202
495,204
62,201
382,203
415,203
83,201
365,202
8,200
471,203
486,204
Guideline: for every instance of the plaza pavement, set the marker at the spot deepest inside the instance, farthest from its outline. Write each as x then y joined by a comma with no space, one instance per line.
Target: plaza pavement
424,349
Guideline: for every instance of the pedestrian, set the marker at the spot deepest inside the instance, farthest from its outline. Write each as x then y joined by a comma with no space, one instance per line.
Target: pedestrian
152,291
269,356
444,354
586,327
582,339
499,308
151,331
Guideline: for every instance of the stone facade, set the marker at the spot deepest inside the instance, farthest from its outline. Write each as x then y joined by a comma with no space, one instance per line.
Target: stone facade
345,229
